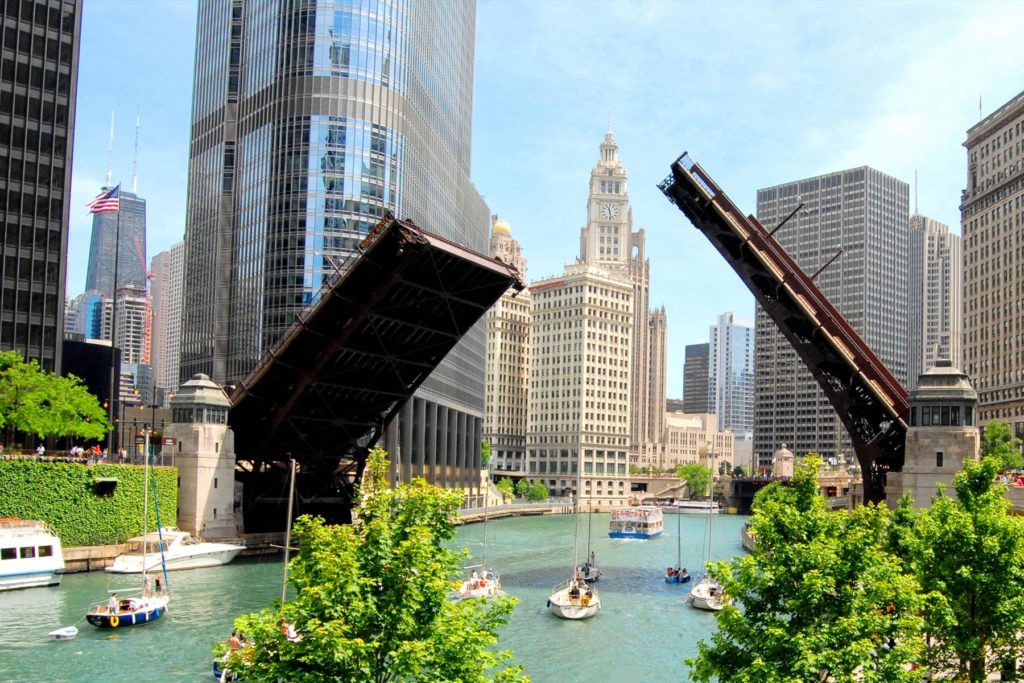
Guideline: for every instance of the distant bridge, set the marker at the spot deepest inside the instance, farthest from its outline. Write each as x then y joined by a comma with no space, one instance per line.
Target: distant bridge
871,403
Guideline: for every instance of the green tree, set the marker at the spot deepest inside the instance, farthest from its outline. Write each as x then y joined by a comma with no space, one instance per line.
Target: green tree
507,488
698,478
372,600
33,401
999,442
538,491
522,488
969,553
821,598
485,453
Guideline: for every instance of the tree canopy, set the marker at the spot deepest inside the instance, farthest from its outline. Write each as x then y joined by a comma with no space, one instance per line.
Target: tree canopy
998,442
821,598
538,491
969,554
507,488
372,599
33,401
698,478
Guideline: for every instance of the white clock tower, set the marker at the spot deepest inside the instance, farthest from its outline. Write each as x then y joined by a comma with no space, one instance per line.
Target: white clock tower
608,237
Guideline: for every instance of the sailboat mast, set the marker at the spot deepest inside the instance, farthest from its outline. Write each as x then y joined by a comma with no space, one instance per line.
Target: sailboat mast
288,528
487,499
145,516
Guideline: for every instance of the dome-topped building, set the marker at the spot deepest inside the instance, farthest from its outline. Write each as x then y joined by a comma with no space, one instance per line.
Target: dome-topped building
943,434
502,228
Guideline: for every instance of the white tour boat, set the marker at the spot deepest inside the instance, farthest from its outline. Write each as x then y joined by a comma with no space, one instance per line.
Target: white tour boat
638,521
30,554
180,551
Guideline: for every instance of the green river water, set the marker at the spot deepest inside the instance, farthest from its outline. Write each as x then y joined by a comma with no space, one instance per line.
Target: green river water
643,632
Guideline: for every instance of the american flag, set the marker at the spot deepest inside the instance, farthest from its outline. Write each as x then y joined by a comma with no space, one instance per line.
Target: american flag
108,200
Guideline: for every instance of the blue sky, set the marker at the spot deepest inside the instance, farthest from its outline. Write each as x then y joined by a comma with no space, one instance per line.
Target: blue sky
760,93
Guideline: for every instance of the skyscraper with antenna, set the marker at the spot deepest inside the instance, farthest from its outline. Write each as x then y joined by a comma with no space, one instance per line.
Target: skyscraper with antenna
131,254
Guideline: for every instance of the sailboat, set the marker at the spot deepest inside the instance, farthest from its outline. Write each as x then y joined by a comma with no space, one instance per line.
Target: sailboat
136,609
225,674
591,572
708,594
574,598
677,573
485,584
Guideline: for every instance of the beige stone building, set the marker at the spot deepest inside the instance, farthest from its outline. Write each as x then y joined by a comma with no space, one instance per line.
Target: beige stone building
992,213
689,438
508,357
934,289
943,434
608,240
578,412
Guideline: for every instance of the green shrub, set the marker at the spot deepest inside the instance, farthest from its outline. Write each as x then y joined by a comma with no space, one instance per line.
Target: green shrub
63,495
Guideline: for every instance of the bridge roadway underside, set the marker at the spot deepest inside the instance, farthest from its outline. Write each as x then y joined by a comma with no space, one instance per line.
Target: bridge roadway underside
870,402
325,392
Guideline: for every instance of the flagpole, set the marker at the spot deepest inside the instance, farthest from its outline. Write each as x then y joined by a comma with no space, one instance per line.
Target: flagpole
114,369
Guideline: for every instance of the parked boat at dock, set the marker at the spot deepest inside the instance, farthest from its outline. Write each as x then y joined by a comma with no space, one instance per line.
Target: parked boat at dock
180,551
638,521
694,507
30,554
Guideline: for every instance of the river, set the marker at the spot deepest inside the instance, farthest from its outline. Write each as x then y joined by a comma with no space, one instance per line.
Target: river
643,632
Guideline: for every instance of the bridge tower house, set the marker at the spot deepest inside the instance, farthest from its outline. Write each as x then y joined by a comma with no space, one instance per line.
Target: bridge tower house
204,453
943,433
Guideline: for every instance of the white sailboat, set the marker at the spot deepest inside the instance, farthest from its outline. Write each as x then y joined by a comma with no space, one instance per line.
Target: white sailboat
575,598
591,572
485,584
708,594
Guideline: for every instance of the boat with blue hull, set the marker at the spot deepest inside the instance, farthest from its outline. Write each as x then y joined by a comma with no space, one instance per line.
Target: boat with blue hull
638,521
133,611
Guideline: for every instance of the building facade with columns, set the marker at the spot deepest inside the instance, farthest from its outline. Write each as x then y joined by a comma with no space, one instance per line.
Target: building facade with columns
991,213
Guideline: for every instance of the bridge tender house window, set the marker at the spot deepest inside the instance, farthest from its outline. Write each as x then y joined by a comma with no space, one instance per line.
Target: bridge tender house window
941,416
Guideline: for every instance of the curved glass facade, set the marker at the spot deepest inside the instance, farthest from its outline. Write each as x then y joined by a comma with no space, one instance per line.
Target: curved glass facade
311,120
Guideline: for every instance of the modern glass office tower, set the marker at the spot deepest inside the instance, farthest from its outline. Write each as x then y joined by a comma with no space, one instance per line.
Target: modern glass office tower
731,374
312,119
131,251
696,390
38,81
864,213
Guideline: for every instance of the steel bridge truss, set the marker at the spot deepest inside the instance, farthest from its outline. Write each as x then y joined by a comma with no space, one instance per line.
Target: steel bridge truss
871,403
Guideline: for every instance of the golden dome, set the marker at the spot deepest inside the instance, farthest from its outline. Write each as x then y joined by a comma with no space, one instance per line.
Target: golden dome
501,228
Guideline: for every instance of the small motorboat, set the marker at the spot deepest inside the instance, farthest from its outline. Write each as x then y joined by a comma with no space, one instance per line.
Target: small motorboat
177,549
66,633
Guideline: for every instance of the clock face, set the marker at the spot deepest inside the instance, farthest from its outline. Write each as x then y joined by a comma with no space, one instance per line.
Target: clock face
610,211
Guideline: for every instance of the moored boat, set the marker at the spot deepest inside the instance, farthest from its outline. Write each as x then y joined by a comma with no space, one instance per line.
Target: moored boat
30,554
180,551
638,521
695,507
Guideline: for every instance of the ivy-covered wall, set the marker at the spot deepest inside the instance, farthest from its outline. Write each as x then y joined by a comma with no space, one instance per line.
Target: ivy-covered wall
63,495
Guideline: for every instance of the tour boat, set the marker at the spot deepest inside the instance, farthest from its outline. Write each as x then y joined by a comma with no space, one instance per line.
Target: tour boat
180,551
30,554
639,521
695,507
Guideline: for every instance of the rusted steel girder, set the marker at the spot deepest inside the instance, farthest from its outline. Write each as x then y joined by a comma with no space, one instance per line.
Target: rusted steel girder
871,403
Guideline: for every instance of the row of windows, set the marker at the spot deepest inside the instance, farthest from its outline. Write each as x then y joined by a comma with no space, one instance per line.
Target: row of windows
26,552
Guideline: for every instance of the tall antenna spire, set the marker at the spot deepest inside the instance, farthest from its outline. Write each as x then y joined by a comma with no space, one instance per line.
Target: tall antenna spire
110,151
135,157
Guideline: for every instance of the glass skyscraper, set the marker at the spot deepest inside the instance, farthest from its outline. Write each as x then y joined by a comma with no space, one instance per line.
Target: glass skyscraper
38,80
312,119
131,252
